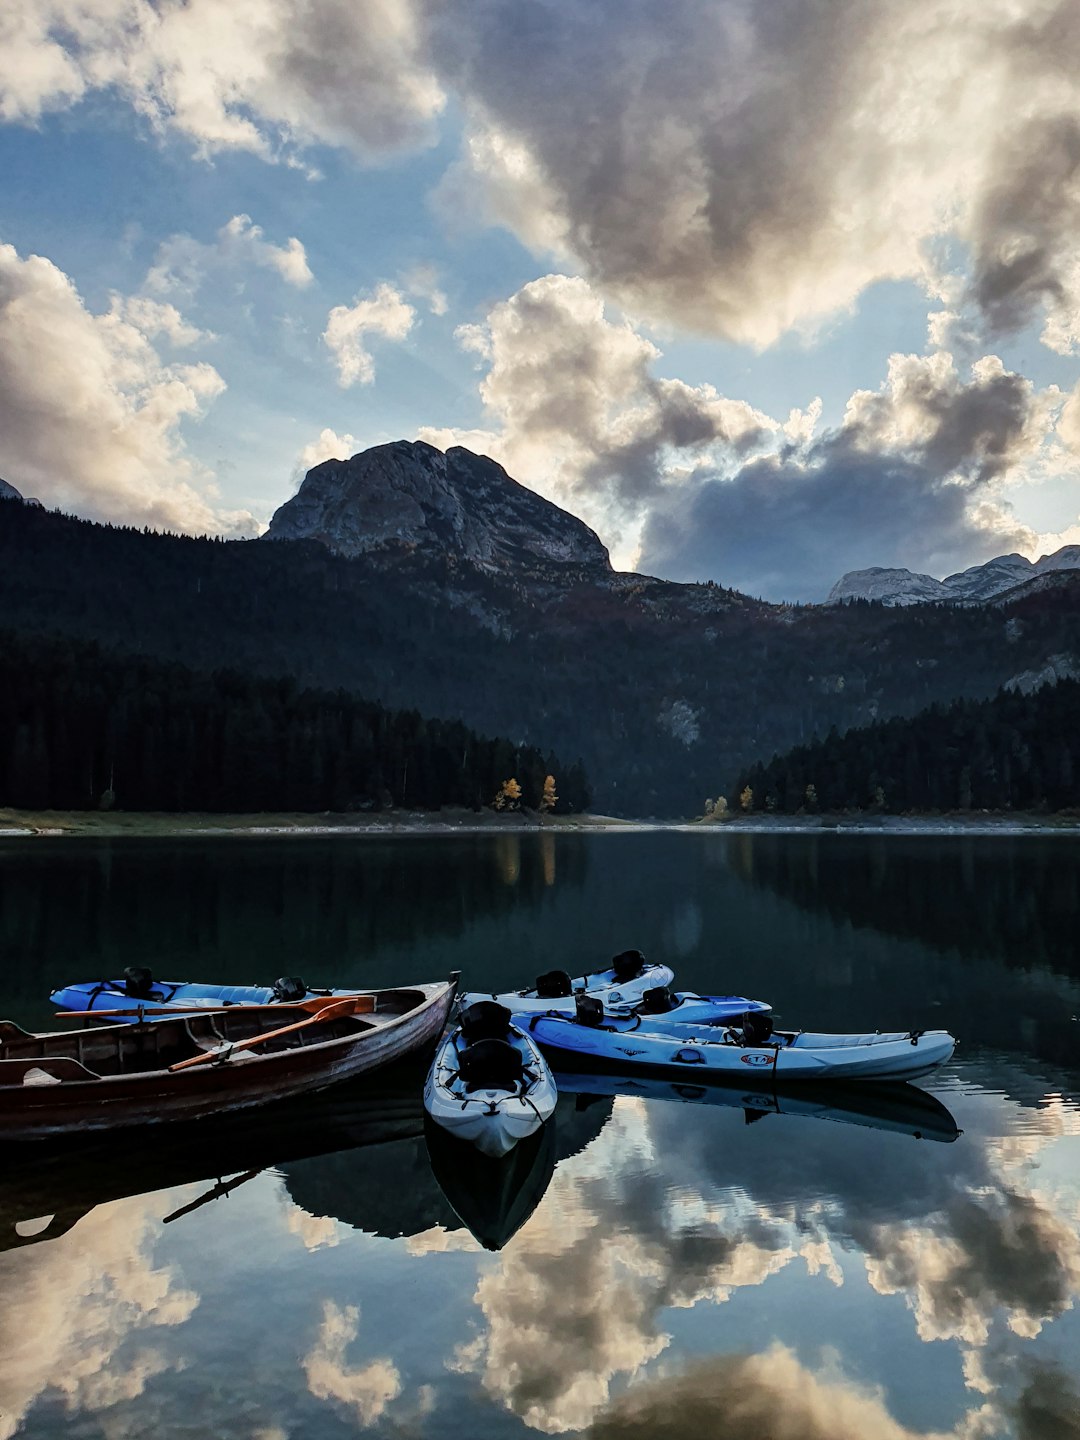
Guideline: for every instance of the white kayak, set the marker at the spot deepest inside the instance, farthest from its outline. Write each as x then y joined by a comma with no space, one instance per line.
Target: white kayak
489,1083
758,1050
624,982
660,1009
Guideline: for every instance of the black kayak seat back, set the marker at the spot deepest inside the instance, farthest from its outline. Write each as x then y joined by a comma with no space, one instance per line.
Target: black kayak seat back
756,1027
553,985
589,1011
658,1001
491,1065
139,983
289,988
484,1020
627,965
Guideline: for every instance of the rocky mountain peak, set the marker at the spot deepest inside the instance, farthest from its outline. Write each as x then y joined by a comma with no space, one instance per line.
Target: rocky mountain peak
8,492
975,586
411,497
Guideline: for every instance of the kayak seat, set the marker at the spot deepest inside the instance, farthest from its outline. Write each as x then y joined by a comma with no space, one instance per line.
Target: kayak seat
658,1001
627,965
491,1065
139,983
288,989
484,1020
588,1011
756,1027
554,985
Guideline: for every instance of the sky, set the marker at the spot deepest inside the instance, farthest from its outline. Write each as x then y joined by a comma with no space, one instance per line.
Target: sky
764,293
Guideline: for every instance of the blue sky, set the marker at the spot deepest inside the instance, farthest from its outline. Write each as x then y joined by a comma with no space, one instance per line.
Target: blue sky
675,266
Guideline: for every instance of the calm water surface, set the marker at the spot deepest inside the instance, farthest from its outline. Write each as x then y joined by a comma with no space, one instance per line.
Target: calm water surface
700,1264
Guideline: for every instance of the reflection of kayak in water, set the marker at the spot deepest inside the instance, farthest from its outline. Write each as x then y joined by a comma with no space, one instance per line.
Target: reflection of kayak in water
47,1186
901,1108
493,1197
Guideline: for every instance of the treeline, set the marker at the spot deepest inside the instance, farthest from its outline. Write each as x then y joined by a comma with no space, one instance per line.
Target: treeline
83,729
659,688
1012,752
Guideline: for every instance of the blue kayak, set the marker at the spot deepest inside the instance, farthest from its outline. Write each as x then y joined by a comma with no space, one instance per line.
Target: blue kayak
140,988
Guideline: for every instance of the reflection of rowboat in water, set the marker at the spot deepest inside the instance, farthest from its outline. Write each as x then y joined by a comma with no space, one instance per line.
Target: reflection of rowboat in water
202,1064
48,1186
897,1107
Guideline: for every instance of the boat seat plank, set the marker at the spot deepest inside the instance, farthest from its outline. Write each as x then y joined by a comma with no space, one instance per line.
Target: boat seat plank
51,1068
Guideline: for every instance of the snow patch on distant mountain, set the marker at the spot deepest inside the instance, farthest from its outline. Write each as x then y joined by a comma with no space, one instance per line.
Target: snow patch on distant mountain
976,586
891,587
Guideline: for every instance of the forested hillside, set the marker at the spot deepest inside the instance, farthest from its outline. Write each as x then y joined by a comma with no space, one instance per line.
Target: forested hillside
663,690
1014,752
80,729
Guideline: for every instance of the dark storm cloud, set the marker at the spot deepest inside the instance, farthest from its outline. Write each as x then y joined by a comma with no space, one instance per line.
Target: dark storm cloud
906,481
1048,1407
1025,218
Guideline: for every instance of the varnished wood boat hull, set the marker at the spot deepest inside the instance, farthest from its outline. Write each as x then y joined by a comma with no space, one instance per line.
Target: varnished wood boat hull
153,1095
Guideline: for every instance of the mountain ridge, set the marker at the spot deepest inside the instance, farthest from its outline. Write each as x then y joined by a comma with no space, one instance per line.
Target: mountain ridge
663,690
977,585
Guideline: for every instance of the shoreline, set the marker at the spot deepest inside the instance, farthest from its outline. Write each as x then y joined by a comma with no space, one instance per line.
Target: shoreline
18,825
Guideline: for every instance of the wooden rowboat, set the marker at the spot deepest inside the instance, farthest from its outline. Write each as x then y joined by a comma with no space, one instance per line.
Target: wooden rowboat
189,1066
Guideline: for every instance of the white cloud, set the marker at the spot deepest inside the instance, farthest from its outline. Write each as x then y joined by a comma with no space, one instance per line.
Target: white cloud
245,239
743,170
329,446
581,416
575,1305
1069,423
266,76
90,415
366,1389
182,261
705,486
382,313
739,170
81,1312
423,281
154,317
772,1394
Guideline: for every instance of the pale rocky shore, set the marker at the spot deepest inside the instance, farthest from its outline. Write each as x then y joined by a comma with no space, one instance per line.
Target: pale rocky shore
20,825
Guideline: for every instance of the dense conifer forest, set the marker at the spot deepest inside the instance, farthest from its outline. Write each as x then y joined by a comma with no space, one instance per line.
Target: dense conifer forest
1012,752
82,729
664,691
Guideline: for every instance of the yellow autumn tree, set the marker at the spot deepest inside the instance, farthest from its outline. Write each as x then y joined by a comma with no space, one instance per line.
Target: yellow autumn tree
508,796
746,799
549,799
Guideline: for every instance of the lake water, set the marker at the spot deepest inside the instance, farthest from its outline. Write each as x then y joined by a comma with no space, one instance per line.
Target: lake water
701,1264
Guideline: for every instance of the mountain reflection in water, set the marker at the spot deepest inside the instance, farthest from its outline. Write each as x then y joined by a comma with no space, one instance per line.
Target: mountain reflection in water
817,1272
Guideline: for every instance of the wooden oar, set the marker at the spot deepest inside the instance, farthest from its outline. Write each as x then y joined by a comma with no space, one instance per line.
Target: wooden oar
364,1004
336,1008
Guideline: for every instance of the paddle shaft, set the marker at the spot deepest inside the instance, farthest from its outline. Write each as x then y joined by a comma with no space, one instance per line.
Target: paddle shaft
163,1012
328,1012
